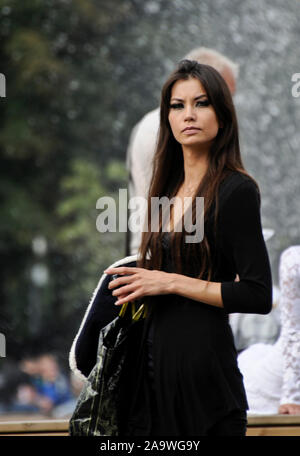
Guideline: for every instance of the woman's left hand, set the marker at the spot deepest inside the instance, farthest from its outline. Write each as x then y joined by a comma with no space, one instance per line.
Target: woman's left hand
138,282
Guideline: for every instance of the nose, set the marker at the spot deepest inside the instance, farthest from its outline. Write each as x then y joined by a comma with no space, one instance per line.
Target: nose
189,113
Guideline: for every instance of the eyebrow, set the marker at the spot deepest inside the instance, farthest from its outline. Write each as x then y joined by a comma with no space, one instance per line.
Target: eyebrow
196,98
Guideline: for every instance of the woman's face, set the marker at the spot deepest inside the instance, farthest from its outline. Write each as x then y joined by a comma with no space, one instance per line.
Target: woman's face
192,119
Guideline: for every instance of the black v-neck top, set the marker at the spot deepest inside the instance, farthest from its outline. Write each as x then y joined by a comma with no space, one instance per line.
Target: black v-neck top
192,360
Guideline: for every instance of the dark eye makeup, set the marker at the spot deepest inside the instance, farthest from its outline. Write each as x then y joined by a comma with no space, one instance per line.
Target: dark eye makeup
203,103
176,105
181,105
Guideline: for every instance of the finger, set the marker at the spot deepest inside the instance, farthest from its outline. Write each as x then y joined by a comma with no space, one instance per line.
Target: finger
125,289
120,281
130,297
282,410
121,270
123,296
295,410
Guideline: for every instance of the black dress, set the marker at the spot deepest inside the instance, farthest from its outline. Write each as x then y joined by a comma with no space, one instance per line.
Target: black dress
189,361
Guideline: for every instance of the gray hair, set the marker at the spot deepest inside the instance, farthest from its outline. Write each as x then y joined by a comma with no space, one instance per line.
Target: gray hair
213,58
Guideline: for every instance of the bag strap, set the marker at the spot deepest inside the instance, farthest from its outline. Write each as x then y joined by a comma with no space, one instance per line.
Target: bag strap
141,312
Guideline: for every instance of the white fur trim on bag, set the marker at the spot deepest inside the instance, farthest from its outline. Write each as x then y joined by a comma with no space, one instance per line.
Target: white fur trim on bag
72,357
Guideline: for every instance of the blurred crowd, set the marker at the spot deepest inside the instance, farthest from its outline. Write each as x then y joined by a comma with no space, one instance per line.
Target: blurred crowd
38,385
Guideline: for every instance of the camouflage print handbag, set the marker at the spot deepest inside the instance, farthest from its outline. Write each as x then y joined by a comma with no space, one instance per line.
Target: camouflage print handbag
97,409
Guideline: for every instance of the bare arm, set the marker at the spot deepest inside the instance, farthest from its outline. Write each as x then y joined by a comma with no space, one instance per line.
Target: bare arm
196,289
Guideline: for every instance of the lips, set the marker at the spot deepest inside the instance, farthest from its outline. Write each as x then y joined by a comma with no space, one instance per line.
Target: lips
187,129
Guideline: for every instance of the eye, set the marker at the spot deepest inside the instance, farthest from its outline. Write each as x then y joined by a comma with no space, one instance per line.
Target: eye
176,106
202,103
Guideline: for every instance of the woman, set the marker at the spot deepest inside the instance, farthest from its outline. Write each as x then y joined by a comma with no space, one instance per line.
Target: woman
190,287
272,371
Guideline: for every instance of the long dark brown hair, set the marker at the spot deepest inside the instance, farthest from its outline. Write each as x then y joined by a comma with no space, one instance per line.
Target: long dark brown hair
168,171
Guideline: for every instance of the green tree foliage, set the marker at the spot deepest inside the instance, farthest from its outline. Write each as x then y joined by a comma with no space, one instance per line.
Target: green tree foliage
56,160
